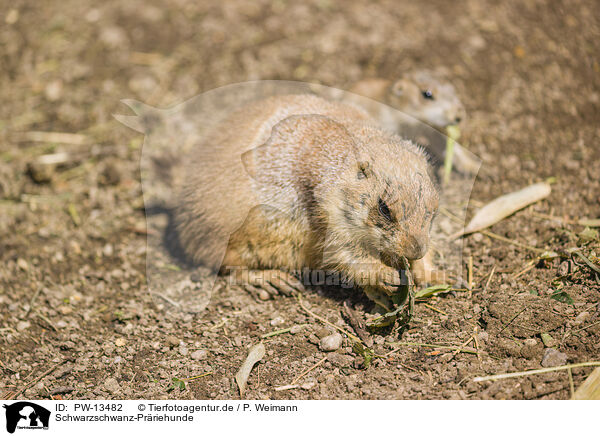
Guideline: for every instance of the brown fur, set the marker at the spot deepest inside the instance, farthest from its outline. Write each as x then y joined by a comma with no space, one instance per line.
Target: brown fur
406,95
296,181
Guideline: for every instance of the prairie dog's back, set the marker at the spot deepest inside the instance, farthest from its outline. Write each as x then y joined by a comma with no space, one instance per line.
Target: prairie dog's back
217,192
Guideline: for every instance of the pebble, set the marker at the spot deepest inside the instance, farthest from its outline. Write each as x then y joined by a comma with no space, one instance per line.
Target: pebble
296,329
553,357
173,341
277,321
308,385
23,325
199,355
581,318
111,385
54,90
340,360
322,332
61,390
120,342
331,342
563,269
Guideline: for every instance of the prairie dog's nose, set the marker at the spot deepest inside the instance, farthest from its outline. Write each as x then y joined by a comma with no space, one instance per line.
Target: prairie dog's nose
416,247
455,115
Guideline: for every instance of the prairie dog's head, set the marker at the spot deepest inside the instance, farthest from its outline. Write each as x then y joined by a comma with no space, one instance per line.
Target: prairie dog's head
386,202
428,97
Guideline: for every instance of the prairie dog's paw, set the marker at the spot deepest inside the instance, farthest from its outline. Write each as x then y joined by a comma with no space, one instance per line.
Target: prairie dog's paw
265,284
380,285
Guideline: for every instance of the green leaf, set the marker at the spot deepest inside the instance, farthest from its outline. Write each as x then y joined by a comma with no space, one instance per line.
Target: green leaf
432,290
366,353
562,296
548,340
176,384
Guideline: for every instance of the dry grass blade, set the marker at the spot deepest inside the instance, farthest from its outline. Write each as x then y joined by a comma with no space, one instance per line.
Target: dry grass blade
589,222
588,262
323,320
55,137
534,371
505,206
280,331
256,353
590,388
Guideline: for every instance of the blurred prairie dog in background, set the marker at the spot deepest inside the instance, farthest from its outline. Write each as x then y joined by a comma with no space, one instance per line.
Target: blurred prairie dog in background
426,97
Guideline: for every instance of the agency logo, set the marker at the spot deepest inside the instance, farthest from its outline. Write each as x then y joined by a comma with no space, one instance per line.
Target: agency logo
26,415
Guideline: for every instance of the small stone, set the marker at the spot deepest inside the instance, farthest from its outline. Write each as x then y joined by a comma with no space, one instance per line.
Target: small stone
110,175
331,342
483,336
547,340
322,332
563,269
553,357
65,310
61,390
173,341
312,338
264,295
54,90
111,385
531,348
12,17
581,318
23,325
277,321
120,342
199,355
308,385
108,250
22,263
340,360
183,349
296,329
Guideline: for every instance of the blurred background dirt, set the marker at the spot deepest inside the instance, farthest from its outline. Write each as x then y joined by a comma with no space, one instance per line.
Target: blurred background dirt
73,299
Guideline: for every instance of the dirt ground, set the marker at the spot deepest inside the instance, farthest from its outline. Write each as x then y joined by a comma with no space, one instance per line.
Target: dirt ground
76,318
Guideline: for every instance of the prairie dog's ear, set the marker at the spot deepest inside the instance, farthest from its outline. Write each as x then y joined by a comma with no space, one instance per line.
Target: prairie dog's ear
248,160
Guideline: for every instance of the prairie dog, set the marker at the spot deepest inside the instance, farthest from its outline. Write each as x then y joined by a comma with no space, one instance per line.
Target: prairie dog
424,95
296,181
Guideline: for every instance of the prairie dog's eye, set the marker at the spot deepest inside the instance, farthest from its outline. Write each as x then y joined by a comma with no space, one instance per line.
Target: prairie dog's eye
427,94
384,210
